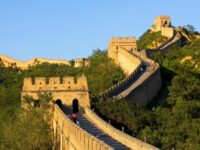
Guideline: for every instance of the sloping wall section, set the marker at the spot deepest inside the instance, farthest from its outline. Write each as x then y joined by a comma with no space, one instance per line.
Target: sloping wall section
143,80
69,136
123,138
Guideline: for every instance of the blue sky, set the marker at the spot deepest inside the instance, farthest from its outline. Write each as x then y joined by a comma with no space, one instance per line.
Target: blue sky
67,29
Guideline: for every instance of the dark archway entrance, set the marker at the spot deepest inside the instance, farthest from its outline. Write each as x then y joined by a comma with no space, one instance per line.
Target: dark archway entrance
59,103
75,106
165,23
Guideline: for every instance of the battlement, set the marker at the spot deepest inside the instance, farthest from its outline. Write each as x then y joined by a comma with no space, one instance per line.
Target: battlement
55,83
127,42
123,40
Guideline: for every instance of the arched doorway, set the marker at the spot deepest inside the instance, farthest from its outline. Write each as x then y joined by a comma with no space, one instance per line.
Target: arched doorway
75,106
59,103
165,24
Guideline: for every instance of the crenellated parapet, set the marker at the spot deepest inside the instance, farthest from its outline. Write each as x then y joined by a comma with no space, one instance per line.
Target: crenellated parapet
55,83
64,88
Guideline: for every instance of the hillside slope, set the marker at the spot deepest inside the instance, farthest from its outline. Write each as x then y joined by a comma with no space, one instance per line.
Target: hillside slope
151,40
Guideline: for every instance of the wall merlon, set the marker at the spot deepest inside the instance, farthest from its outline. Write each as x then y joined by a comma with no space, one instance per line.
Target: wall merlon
35,81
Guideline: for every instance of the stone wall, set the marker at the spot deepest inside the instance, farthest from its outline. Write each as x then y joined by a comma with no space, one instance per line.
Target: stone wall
121,85
127,62
147,90
69,89
10,62
129,43
123,138
69,136
139,87
167,31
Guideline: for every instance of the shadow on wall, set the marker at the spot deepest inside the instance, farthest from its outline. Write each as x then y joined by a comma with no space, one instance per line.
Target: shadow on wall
75,106
59,103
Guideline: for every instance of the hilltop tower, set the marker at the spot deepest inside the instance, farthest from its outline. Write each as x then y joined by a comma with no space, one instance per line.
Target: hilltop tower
160,22
163,24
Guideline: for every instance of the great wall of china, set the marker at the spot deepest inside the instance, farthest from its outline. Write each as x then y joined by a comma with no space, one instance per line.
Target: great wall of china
141,84
143,76
23,65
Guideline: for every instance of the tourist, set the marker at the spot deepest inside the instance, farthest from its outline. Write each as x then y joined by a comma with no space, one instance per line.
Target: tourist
74,117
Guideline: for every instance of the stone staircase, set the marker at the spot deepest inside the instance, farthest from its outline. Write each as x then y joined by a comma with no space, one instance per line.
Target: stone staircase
95,131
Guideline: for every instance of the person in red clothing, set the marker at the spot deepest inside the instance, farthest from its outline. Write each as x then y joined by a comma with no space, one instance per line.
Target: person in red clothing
74,117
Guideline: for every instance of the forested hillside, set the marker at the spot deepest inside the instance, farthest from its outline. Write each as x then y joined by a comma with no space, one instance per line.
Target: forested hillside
150,40
172,120
26,129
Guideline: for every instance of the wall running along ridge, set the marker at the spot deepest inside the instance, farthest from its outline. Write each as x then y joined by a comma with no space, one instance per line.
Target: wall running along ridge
143,80
10,62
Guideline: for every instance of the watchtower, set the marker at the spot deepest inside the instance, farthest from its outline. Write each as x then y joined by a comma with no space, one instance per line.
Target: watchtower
128,43
65,89
160,22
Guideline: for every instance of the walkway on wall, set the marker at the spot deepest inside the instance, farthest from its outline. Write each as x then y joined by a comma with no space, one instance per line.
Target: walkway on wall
93,130
170,42
140,77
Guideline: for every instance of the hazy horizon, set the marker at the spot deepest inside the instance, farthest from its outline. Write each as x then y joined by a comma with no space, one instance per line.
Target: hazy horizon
59,29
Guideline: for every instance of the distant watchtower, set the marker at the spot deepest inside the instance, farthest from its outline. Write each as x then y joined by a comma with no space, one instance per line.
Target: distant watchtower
116,43
160,22
163,24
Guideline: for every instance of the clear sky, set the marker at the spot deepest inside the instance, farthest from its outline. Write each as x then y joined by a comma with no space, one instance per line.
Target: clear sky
67,29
